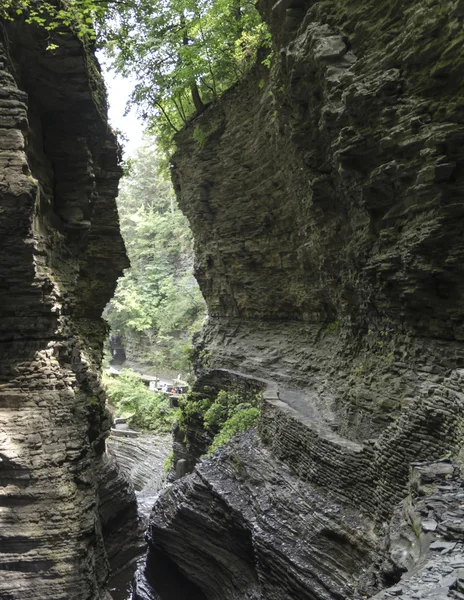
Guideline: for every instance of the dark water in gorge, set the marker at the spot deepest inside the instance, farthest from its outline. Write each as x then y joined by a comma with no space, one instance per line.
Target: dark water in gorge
166,580
120,585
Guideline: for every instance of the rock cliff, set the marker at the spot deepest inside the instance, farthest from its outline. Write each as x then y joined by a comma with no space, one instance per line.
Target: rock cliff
325,197
60,255
142,459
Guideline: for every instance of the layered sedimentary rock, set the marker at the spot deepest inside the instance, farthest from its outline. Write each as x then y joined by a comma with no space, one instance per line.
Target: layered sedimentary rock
142,460
426,535
60,255
118,512
261,533
326,204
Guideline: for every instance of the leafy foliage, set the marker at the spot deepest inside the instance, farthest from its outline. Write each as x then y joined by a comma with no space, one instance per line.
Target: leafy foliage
225,416
77,15
240,421
192,411
130,396
225,406
158,298
183,53
169,463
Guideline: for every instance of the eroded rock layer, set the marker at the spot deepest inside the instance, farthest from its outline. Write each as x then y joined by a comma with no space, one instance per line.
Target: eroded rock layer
60,255
326,201
261,533
142,459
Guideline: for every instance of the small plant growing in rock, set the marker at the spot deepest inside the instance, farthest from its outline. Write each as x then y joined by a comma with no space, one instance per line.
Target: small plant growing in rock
201,135
240,421
169,463
236,463
332,328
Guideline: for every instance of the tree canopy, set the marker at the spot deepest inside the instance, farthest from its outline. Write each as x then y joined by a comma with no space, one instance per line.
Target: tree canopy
182,53
81,16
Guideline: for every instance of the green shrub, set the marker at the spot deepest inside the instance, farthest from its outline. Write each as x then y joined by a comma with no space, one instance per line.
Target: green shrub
224,406
192,410
215,417
222,417
240,421
129,396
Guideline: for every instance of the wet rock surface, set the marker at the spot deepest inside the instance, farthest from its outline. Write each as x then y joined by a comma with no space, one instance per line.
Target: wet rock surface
243,526
429,541
60,256
141,462
142,459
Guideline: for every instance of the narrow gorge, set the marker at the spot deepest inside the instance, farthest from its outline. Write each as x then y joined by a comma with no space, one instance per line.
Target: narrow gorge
325,195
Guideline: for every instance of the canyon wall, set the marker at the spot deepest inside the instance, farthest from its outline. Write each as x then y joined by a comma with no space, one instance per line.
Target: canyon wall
326,200
60,255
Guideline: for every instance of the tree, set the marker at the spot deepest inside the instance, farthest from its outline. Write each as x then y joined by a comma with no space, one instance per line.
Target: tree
158,300
78,15
183,53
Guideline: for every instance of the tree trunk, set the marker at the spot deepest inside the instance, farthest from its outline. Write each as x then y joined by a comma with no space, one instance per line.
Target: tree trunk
197,101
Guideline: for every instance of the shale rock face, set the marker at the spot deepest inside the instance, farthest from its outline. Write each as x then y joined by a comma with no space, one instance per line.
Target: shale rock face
326,205
261,533
60,255
142,460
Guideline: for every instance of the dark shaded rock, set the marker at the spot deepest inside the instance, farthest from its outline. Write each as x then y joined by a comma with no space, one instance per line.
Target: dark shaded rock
242,526
122,531
60,256
181,468
160,579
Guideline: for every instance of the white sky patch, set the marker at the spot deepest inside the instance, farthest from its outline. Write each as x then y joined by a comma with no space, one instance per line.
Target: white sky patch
119,91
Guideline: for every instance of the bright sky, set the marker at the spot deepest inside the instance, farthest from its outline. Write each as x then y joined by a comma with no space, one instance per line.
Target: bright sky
119,90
